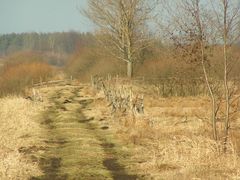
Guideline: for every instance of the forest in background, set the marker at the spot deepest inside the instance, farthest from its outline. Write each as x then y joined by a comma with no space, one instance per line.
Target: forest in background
80,55
172,51
27,58
57,42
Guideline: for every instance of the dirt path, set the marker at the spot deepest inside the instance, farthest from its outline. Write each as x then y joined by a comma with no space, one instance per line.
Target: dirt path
76,146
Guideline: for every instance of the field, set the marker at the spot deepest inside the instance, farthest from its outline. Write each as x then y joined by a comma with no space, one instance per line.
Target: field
73,133
119,89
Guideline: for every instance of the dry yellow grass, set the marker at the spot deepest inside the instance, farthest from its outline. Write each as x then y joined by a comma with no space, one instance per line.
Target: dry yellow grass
18,128
181,145
173,139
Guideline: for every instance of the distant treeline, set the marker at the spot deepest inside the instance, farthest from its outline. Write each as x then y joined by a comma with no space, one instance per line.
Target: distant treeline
59,42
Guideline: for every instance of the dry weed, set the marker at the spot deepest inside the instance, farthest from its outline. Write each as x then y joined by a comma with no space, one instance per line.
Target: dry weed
173,140
18,128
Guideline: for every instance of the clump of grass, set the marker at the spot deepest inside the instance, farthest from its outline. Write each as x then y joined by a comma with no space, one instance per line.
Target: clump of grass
187,158
18,129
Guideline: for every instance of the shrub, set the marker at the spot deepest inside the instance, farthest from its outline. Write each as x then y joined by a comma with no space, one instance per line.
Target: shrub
20,72
89,61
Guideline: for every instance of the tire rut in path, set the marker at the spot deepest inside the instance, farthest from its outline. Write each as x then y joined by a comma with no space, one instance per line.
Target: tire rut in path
76,147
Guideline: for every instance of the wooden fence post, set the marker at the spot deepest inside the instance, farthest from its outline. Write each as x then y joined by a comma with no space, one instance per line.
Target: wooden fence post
92,81
40,81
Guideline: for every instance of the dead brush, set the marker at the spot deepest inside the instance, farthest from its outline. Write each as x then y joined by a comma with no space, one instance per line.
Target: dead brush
171,140
136,130
18,119
33,94
188,153
120,96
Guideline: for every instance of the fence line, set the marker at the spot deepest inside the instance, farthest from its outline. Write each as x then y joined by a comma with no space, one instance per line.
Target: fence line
121,99
34,93
52,82
172,86
166,87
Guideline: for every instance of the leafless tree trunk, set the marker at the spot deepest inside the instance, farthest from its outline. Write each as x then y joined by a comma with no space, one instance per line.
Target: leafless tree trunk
228,24
201,41
210,90
226,87
124,24
227,18
191,36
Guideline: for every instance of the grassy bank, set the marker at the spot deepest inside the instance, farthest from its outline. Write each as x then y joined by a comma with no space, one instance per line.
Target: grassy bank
18,130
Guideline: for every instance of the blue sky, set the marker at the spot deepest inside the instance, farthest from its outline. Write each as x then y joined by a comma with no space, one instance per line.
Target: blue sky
42,16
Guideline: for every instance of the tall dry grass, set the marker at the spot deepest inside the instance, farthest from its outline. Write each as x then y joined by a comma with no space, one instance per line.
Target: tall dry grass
171,146
173,139
178,155
18,129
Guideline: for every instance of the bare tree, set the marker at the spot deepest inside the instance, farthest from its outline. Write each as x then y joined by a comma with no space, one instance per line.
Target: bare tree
191,33
198,27
227,15
124,26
